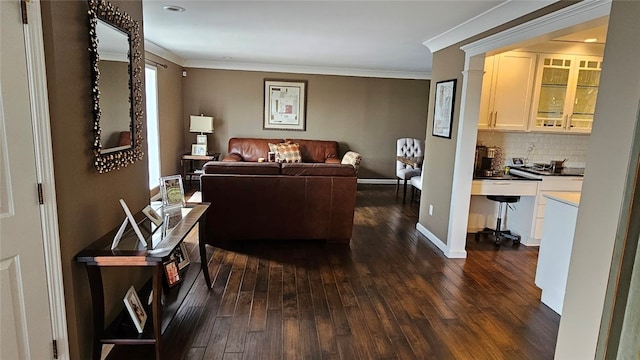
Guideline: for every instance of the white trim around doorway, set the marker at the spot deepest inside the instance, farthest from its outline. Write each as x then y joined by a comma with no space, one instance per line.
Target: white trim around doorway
36,67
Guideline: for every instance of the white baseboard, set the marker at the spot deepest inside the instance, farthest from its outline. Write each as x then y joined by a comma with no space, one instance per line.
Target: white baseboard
530,242
377,181
440,244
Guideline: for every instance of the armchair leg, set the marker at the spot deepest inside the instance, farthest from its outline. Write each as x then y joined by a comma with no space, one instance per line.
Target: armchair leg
397,184
404,191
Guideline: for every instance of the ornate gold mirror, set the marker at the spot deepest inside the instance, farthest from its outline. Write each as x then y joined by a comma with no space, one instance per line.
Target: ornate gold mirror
116,69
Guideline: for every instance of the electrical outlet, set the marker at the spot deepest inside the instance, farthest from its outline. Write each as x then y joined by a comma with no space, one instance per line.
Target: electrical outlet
430,210
531,147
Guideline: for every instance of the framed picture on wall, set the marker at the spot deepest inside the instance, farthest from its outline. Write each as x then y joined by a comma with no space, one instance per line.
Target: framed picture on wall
443,111
285,104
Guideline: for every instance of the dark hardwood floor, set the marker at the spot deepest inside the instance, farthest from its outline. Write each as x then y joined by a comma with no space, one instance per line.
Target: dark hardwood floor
390,294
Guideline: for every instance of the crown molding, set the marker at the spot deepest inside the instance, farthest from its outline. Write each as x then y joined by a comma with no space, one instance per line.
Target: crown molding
299,69
498,15
584,11
163,53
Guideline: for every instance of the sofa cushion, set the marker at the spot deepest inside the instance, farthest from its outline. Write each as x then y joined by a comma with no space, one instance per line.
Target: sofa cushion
317,151
242,168
288,153
251,149
317,169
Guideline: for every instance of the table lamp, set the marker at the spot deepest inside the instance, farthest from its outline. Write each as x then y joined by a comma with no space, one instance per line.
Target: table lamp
201,124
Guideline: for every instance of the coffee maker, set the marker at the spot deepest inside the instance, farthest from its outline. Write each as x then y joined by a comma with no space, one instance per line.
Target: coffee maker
484,160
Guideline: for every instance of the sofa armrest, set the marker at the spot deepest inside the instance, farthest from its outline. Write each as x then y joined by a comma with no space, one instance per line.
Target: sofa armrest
233,157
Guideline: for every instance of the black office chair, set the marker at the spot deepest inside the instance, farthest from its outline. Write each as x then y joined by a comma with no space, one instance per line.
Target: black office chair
499,234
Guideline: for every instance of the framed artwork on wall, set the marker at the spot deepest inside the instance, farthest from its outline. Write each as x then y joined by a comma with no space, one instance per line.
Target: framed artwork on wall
285,103
443,111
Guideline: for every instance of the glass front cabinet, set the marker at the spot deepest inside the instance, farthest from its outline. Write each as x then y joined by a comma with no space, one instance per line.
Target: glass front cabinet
565,93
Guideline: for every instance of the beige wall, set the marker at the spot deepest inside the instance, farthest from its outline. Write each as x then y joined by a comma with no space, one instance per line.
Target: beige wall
170,115
366,115
607,192
87,201
440,152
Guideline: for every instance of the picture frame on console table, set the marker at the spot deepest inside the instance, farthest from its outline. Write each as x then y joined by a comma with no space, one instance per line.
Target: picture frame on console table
444,105
172,191
285,103
135,309
172,273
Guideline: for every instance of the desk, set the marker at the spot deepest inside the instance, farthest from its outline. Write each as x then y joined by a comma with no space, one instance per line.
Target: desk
482,212
162,241
191,170
505,186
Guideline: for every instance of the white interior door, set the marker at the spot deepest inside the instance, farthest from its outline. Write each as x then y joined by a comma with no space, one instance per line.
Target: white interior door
24,299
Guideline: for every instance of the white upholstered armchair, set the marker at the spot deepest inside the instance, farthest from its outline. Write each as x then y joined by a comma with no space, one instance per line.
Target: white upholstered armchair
410,148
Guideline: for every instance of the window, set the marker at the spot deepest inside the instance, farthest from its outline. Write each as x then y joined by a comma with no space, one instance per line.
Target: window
153,137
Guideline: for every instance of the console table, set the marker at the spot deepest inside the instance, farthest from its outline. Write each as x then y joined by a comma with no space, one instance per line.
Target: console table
161,241
187,161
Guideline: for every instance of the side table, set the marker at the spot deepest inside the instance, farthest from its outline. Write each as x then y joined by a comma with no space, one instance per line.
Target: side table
131,253
189,164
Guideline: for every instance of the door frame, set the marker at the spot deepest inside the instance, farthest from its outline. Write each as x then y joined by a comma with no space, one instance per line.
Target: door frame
37,77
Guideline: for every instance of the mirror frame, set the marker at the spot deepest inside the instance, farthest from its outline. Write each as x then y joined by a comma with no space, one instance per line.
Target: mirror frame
105,11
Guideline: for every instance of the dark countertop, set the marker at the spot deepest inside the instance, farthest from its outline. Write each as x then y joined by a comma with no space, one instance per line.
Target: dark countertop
568,171
501,176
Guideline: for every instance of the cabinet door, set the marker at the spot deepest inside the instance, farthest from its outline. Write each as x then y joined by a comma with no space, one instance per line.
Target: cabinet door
512,90
550,100
506,91
585,94
485,118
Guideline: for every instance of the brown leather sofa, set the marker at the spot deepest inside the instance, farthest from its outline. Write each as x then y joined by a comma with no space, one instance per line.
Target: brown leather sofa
314,200
312,151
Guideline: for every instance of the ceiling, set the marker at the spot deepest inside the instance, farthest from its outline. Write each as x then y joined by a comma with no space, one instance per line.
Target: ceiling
362,38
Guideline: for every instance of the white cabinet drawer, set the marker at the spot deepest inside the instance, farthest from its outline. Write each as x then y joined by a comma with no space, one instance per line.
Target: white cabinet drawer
537,230
504,187
563,183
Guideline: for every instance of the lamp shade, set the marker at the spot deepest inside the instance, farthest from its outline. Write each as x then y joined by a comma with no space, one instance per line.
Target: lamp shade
201,124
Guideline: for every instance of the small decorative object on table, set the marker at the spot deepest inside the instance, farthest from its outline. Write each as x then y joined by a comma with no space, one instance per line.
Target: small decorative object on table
152,215
136,311
172,191
199,149
128,219
181,254
171,272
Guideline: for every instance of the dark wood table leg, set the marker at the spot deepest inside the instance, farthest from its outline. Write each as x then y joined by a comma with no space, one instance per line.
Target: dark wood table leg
97,300
202,244
156,308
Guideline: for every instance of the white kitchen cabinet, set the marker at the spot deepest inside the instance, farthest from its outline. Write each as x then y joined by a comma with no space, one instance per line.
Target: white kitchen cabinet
528,215
506,91
555,247
565,93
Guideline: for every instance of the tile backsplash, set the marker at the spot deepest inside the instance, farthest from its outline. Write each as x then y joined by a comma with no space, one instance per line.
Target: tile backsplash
538,147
